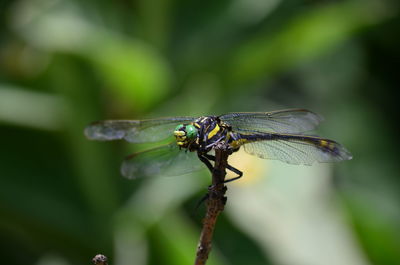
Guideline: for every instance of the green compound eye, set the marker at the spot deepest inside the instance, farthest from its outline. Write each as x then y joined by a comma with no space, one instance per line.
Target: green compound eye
191,131
180,126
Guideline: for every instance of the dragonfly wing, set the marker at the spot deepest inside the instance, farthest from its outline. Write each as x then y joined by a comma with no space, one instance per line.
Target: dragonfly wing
135,131
282,121
166,160
298,149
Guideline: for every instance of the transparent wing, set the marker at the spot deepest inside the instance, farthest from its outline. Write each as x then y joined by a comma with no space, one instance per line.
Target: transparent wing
135,131
281,121
166,160
298,149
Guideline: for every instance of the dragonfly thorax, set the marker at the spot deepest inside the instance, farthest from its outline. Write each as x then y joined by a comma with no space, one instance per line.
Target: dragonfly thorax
201,134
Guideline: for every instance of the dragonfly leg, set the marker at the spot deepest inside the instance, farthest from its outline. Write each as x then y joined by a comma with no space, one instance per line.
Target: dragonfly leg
206,161
231,168
214,143
235,170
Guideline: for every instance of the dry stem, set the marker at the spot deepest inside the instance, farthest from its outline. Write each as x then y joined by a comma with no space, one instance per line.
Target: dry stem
215,204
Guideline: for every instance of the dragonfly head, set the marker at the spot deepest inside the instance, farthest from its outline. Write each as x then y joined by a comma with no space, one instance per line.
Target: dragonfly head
185,134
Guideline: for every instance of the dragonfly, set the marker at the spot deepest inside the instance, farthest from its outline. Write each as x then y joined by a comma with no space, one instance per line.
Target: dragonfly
279,135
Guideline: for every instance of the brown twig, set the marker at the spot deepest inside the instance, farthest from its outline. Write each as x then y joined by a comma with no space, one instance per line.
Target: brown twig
215,203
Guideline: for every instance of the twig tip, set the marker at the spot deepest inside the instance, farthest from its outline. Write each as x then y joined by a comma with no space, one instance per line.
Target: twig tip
100,259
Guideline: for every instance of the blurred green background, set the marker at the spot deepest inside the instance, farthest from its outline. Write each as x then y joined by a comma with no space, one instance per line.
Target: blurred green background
64,64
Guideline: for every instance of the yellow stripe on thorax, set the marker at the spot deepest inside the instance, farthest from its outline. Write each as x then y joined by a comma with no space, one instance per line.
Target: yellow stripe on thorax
214,131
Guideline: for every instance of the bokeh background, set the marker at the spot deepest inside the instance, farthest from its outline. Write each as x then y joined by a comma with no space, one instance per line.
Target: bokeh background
66,63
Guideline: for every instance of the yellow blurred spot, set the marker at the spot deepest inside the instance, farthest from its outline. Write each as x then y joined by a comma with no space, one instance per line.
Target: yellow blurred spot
253,168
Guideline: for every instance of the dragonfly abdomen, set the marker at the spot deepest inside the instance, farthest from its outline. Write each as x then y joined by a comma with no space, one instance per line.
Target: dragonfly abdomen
297,142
